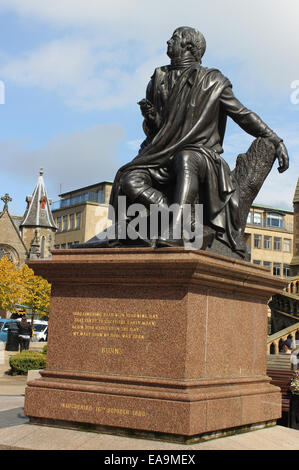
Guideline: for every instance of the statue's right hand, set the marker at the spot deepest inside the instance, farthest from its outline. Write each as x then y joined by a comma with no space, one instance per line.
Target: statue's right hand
147,109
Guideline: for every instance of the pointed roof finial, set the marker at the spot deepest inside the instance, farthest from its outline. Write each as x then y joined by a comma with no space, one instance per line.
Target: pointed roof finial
6,199
38,213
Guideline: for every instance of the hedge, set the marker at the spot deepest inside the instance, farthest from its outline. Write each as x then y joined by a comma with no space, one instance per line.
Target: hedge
27,360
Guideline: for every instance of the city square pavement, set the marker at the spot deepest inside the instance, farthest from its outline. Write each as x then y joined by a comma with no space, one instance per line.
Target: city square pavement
17,433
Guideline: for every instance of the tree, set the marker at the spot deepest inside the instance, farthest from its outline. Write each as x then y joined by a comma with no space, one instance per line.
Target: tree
10,285
36,291
19,285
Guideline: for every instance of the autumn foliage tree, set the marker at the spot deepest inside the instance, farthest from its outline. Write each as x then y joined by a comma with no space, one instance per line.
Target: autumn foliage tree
10,287
19,285
36,291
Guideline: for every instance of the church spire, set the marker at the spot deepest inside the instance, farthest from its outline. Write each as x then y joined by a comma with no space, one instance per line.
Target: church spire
38,213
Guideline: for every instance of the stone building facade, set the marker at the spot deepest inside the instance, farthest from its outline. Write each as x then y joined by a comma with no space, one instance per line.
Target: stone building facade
33,234
11,244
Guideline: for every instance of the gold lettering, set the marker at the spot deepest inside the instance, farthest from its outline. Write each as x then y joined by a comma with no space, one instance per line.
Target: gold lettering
117,351
76,406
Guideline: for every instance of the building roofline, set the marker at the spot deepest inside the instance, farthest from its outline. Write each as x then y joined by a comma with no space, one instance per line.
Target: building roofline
14,226
277,209
84,188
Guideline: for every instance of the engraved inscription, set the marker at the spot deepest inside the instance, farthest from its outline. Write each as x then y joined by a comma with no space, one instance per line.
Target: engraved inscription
124,326
116,351
104,409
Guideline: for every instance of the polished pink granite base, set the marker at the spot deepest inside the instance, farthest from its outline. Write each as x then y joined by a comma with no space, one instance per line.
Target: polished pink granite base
169,341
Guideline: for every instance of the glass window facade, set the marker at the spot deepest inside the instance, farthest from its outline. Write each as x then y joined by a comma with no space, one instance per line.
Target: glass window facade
91,196
274,220
255,218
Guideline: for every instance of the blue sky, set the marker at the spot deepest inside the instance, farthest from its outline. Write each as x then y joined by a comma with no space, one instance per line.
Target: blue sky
74,70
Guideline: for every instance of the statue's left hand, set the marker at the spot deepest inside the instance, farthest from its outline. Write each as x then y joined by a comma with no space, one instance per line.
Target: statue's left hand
283,157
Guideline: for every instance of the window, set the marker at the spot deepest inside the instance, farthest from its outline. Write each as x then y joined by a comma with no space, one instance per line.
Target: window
257,242
275,220
254,218
267,242
257,218
267,264
63,246
78,219
56,247
64,222
277,244
276,269
287,244
72,221
286,270
58,223
69,245
100,196
257,261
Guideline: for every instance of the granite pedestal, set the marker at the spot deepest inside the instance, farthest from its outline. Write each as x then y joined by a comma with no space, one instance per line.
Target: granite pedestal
167,343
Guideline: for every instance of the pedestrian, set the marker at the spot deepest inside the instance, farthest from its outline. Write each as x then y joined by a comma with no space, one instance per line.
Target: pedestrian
25,333
287,346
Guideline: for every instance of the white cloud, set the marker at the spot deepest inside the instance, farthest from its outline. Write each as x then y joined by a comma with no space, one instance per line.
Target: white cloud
54,65
103,53
84,75
111,48
74,160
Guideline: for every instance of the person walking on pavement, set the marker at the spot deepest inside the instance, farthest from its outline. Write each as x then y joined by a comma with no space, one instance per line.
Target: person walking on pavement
25,333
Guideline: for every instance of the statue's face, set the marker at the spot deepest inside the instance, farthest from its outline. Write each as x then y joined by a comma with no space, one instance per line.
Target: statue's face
174,45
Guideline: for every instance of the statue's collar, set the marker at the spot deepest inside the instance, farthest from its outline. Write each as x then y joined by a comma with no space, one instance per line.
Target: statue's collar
183,63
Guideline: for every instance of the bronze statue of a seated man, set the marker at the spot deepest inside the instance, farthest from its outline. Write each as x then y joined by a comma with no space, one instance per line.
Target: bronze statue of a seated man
185,112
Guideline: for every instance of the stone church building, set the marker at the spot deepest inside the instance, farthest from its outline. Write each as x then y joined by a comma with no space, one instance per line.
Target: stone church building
33,234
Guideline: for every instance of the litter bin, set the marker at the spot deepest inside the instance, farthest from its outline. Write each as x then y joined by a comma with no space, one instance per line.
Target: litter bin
12,343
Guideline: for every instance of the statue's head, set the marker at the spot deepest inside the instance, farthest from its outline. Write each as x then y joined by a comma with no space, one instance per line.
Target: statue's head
186,39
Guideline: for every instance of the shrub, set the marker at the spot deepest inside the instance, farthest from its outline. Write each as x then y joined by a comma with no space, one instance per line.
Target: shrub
44,351
27,360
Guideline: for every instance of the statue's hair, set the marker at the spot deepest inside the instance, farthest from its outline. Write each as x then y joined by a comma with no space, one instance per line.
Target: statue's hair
195,39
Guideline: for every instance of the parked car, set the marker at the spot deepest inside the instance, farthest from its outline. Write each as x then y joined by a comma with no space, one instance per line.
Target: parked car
4,325
40,330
